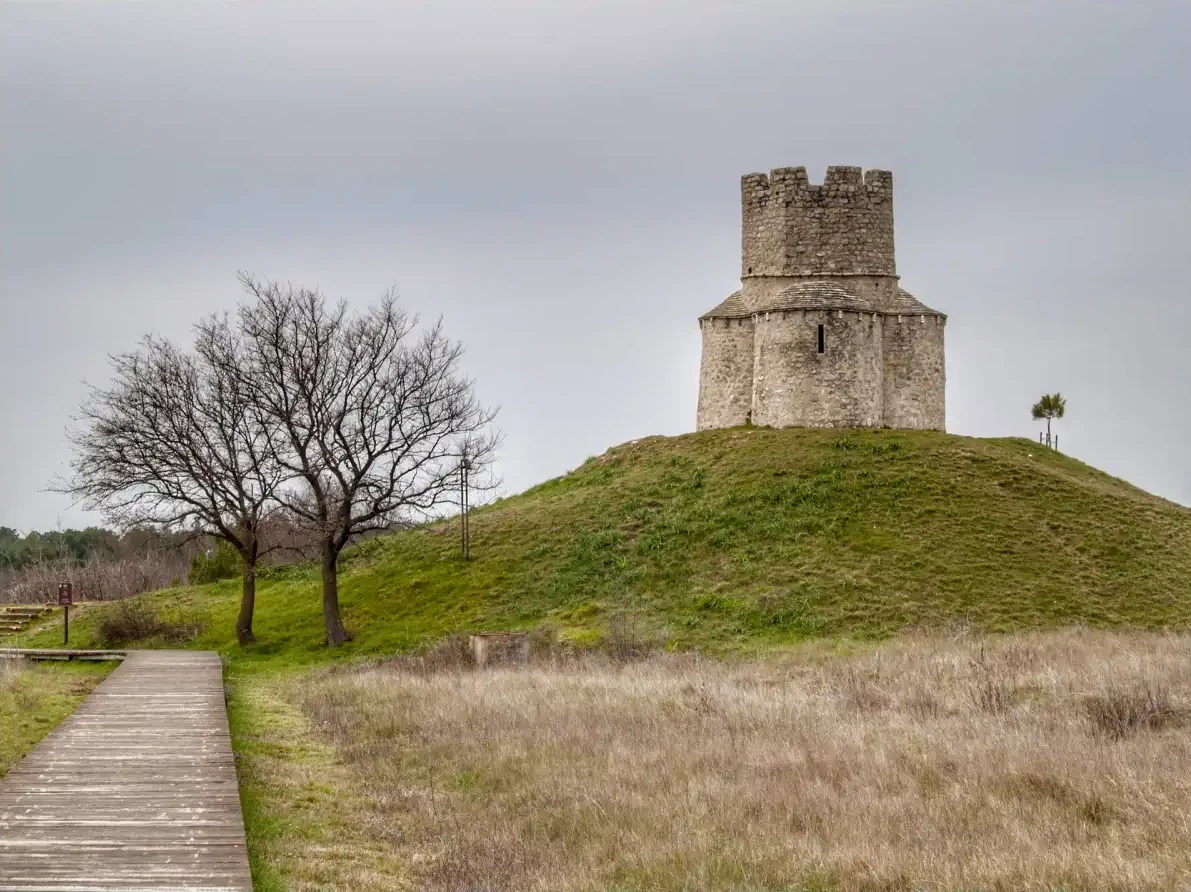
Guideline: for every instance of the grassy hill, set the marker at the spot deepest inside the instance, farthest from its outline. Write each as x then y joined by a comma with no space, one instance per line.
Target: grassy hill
744,539
730,541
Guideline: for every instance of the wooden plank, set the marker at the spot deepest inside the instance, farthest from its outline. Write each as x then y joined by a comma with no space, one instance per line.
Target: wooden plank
38,653
136,790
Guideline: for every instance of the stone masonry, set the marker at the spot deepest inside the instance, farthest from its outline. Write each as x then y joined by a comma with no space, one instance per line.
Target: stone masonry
820,334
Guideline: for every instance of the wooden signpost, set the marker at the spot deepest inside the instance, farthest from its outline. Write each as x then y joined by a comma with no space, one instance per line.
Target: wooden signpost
65,597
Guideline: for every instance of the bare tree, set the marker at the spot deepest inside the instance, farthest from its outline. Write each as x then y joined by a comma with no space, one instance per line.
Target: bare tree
374,418
173,442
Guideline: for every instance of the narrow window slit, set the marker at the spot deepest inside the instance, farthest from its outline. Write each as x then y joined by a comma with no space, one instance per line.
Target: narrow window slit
822,342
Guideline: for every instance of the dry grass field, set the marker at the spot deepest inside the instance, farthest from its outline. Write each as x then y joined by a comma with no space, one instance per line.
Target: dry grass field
1054,761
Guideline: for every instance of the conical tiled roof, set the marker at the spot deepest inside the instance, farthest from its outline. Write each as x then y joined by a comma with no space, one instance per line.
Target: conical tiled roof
731,307
907,304
819,296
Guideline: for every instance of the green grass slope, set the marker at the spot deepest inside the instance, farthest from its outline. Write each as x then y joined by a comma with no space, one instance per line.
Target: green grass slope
749,538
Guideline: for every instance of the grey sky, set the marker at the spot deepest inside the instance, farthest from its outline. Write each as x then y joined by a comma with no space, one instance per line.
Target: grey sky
561,183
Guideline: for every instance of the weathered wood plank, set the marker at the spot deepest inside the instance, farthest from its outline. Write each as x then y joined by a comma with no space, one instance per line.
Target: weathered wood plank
53,653
136,790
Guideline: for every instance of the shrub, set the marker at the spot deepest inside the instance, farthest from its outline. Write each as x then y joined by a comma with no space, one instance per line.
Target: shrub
626,640
452,653
994,687
135,621
1119,712
99,578
126,622
544,642
222,563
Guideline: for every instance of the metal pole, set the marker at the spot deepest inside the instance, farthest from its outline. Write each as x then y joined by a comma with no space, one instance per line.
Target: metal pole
464,520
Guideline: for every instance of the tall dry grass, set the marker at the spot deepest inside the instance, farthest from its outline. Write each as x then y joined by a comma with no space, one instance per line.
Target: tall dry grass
1042,761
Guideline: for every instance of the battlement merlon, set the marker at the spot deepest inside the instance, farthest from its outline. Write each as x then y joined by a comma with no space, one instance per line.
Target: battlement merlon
792,227
864,184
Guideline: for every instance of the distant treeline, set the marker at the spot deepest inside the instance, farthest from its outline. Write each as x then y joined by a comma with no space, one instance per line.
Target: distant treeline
18,551
106,565
101,564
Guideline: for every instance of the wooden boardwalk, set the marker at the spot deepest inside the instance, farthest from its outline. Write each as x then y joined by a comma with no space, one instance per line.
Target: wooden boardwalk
134,791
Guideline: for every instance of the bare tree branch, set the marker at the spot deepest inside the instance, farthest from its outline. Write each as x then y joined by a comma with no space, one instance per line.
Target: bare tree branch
372,418
175,441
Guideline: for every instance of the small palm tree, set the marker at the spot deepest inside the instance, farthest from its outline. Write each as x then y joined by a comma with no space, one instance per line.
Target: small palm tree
1052,405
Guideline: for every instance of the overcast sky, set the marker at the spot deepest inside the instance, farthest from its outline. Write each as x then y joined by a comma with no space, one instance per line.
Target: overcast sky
560,181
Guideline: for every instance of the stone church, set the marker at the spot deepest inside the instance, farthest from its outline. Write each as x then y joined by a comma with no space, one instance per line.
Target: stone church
820,333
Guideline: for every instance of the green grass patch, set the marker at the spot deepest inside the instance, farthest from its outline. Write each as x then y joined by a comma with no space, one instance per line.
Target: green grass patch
36,697
300,810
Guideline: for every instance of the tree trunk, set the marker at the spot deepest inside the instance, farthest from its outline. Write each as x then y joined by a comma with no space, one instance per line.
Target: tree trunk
335,633
247,606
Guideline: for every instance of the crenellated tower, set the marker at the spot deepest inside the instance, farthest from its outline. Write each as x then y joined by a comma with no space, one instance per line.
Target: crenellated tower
793,228
820,333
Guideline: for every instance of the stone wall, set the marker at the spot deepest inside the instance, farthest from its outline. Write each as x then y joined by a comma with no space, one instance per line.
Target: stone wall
794,385
726,374
499,649
791,228
915,374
